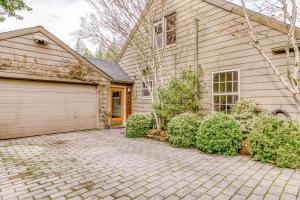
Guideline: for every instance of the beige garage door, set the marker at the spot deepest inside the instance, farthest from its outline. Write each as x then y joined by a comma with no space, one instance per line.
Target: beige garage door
30,108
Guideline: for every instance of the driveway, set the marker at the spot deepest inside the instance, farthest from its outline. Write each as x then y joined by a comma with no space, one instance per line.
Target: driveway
106,165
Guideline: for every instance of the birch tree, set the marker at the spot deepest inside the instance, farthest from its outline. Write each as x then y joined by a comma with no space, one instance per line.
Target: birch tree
118,20
287,11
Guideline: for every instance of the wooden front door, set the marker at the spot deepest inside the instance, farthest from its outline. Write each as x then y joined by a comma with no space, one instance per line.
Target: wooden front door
117,106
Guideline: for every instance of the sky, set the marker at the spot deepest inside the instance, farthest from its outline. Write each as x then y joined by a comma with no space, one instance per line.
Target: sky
60,17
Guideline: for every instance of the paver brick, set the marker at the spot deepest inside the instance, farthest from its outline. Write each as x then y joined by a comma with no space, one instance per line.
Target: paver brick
107,165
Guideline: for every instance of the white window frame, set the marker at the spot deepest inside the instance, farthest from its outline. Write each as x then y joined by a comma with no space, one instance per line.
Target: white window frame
165,29
142,89
238,93
156,23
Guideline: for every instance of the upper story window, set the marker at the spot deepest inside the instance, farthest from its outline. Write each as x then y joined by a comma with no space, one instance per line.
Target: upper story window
158,39
171,29
225,90
146,88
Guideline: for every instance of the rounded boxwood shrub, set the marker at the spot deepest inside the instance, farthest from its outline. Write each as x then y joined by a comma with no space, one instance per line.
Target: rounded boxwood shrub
182,130
219,133
275,140
137,126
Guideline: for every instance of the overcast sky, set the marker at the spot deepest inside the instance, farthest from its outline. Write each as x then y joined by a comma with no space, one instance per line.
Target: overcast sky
60,17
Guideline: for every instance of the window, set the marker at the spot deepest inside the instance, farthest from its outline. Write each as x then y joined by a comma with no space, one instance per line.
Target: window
145,89
158,35
225,90
171,29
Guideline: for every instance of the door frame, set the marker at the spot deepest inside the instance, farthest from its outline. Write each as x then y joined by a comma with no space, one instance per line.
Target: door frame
123,103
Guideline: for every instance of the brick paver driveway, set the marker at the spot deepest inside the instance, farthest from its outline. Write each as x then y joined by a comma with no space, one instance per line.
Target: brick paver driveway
106,165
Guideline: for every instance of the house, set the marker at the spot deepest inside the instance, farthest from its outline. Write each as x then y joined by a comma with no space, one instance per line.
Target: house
201,34
46,87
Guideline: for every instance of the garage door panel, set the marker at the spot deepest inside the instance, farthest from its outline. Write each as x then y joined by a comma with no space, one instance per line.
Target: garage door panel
45,107
45,125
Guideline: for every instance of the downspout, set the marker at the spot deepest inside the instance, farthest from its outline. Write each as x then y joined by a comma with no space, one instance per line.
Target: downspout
196,20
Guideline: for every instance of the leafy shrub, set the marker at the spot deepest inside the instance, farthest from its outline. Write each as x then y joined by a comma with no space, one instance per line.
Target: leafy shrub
179,96
137,126
182,130
275,140
246,113
219,133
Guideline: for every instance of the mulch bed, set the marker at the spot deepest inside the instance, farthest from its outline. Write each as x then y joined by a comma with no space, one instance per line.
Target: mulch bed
245,149
158,135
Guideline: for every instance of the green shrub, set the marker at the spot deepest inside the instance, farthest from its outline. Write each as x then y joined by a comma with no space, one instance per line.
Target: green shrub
219,133
182,130
179,96
137,126
246,113
275,140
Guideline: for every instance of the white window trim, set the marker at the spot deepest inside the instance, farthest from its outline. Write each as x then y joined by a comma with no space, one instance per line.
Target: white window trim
165,30
146,97
159,21
212,86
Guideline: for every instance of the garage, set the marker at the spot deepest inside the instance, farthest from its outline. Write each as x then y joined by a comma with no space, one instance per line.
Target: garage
35,108
46,87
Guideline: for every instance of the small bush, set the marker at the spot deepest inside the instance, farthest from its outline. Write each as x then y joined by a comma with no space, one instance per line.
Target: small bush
137,126
246,113
182,130
219,133
275,140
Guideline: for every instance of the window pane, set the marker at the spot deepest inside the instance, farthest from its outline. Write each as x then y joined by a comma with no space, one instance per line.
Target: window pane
216,87
145,93
216,99
235,99
116,104
158,41
223,99
235,76
171,37
229,99
222,77
235,87
171,22
228,86
229,76
158,29
216,77
222,87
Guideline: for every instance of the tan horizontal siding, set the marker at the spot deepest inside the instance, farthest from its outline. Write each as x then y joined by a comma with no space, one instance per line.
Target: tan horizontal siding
219,50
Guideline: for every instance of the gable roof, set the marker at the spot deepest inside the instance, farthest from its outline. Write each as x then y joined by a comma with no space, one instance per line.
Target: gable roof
41,29
113,69
231,7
